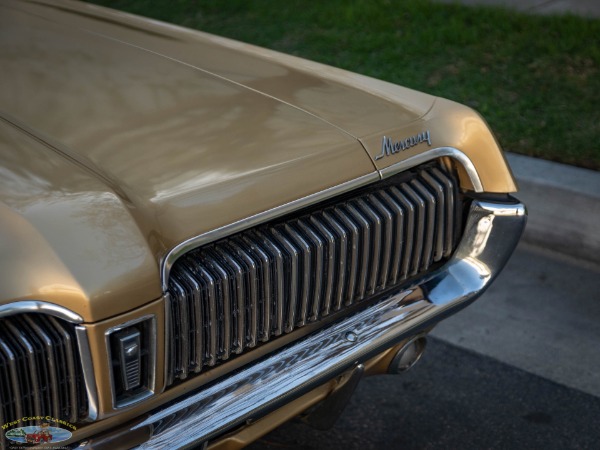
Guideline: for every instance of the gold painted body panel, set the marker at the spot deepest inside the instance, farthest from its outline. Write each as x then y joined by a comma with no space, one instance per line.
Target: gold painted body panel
364,107
184,149
121,138
67,238
181,151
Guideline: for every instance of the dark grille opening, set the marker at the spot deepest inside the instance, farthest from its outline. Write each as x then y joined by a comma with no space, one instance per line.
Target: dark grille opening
40,370
229,296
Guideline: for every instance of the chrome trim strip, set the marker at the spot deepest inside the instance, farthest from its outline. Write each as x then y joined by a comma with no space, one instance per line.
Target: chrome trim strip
169,345
256,219
151,363
491,234
35,306
432,154
87,365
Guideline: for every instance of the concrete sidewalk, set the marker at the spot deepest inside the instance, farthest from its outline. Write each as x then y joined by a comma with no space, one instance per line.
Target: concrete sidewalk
563,203
584,8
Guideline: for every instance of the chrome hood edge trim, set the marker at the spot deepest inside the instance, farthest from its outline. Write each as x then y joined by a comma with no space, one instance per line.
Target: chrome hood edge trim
211,236
35,306
438,152
256,219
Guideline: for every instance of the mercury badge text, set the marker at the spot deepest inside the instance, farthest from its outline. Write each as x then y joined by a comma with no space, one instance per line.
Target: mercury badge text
389,147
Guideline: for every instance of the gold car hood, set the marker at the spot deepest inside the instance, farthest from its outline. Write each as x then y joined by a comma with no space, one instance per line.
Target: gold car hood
135,136
120,154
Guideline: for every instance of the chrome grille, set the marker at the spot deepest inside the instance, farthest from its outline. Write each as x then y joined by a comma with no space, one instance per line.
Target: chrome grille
40,370
232,295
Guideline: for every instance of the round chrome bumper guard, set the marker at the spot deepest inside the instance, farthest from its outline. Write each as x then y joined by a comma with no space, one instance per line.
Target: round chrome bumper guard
491,233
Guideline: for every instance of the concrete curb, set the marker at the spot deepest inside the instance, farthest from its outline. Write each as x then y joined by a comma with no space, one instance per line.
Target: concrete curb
563,203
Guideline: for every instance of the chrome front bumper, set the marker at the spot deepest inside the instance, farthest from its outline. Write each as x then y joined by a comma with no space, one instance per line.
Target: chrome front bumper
491,234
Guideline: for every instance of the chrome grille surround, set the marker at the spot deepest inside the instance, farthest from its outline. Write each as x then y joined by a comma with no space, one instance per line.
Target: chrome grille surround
231,295
40,370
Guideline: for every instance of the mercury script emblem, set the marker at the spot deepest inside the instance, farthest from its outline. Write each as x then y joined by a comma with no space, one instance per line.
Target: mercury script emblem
389,147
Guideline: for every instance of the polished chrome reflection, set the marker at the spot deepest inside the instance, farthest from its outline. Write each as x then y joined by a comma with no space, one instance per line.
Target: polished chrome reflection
34,306
273,279
452,152
408,355
262,387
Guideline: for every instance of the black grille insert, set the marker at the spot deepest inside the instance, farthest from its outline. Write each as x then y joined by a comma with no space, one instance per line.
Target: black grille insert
40,371
231,295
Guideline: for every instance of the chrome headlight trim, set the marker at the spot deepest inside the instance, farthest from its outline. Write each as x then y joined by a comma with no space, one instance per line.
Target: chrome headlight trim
438,152
35,306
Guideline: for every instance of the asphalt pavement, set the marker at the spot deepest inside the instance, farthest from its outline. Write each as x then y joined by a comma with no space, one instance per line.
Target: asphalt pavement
519,368
454,399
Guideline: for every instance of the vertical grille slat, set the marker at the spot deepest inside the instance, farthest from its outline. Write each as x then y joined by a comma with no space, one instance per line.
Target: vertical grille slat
440,204
12,406
238,311
376,244
252,286
408,231
354,250
223,309
40,370
69,378
265,297
449,193
418,206
196,321
272,279
277,278
306,254
209,306
429,207
49,373
346,254
181,338
319,265
290,298
28,365
387,238
330,261
397,232
362,252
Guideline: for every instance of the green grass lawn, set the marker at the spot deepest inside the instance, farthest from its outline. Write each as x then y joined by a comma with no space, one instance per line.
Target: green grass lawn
534,78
